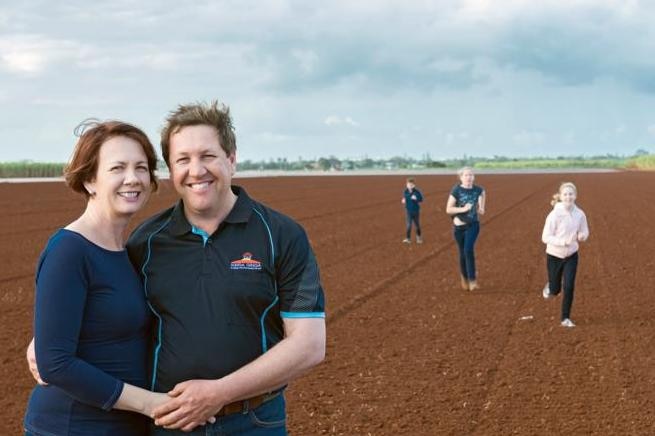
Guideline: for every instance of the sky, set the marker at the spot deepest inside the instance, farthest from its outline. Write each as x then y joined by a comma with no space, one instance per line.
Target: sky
351,79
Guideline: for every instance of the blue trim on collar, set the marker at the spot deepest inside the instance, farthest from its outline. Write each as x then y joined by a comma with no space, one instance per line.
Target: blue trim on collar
200,232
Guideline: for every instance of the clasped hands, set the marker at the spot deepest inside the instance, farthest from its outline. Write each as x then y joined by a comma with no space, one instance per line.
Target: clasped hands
190,404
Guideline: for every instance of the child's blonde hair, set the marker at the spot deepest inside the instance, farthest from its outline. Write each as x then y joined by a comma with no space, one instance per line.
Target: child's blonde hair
556,198
461,171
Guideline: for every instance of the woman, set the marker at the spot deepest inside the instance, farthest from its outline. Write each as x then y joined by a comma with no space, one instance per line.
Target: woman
91,321
466,203
565,226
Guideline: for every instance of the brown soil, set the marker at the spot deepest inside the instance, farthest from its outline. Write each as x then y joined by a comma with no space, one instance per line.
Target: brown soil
408,351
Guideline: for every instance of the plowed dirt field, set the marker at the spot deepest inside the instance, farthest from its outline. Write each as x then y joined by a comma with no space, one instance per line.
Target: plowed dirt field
408,351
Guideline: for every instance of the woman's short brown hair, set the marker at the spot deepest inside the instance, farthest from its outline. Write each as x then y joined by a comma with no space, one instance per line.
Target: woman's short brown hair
83,165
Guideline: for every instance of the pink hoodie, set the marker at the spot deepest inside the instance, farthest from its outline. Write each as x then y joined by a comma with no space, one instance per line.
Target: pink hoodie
563,229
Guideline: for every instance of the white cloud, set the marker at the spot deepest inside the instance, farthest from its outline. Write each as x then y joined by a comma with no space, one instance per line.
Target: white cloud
21,62
335,120
447,65
149,58
75,101
32,54
307,59
484,77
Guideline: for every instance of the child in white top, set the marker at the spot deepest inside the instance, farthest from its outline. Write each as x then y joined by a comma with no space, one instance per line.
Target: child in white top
566,226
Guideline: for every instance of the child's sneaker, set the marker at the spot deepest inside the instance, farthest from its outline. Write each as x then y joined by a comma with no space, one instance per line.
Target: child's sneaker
407,241
419,240
546,292
567,323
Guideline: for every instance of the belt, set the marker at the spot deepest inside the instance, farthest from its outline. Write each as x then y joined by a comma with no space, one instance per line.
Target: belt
243,406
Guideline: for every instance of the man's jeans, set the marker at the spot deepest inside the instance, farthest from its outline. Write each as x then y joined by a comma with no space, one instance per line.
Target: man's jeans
269,419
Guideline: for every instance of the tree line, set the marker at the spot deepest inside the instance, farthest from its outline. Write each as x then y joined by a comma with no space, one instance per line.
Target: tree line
641,159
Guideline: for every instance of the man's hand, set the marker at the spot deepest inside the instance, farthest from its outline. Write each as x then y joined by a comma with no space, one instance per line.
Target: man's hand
31,363
193,403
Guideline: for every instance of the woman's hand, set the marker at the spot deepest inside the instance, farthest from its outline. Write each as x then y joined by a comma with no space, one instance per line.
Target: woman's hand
154,400
30,355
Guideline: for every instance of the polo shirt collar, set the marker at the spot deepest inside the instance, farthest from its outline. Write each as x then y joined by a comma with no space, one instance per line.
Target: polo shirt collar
242,209
240,212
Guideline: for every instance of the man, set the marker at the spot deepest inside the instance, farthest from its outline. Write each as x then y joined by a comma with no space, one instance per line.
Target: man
233,284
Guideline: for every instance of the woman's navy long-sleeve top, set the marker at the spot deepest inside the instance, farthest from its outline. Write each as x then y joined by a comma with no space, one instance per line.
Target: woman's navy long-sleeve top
91,331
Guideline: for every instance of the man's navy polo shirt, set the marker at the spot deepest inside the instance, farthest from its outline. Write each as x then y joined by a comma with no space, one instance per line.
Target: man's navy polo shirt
220,299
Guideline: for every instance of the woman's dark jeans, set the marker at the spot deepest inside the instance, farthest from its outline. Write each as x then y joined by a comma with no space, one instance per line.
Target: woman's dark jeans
465,236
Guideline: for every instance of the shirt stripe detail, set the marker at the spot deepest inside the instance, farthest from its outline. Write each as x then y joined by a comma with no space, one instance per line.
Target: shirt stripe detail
302,314
145,290
261,323
263,317
270,235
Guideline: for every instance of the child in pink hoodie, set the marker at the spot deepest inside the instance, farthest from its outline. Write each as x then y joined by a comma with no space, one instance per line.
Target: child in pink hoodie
566,226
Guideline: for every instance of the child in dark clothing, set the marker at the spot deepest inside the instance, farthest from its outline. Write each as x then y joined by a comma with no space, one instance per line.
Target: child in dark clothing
412,199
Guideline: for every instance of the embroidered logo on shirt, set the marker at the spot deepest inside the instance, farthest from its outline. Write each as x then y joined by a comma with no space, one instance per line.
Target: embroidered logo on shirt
246,262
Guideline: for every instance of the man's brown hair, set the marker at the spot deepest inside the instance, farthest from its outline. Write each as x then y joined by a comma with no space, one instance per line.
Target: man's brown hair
197,114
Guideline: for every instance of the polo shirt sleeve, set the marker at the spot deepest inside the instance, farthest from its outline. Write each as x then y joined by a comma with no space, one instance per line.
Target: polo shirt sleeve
61,289
299,284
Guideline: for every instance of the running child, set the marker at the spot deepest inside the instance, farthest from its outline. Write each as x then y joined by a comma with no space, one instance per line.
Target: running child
566,226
